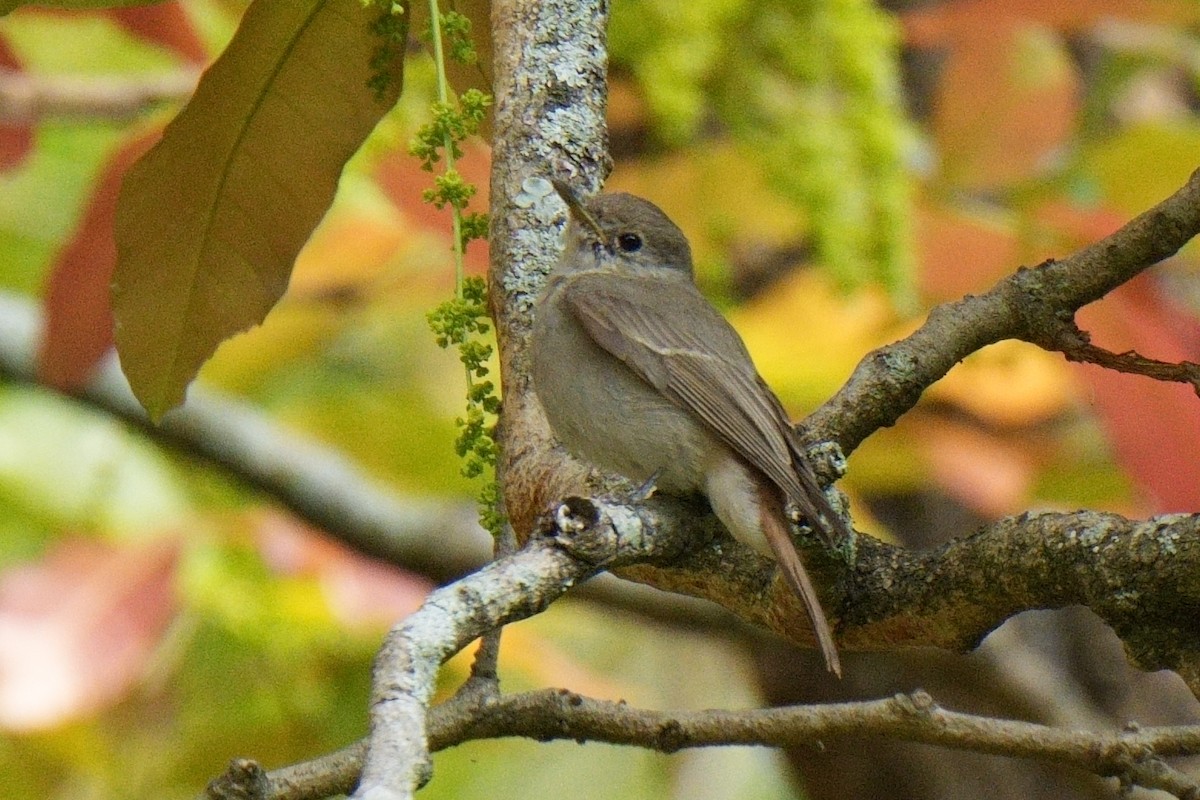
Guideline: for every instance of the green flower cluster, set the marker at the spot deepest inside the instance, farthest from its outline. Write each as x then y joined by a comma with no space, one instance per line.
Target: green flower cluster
462,321
392,30
448,127
809,89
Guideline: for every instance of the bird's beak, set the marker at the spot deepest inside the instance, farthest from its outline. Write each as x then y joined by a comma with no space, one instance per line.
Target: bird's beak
575,206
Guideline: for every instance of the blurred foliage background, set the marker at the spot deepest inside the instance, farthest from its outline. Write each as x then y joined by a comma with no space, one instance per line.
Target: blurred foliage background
840,166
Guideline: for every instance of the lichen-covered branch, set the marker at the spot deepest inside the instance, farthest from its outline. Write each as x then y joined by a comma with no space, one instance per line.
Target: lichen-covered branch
551,91
585,537
1141,577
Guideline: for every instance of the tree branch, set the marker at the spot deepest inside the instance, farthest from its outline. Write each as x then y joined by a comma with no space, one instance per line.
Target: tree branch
1077,346
1141,578
585,539
948,598
1030,305
1133,756
318,484
559,714
26,98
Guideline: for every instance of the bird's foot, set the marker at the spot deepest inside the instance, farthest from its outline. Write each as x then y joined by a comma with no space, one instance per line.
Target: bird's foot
647,489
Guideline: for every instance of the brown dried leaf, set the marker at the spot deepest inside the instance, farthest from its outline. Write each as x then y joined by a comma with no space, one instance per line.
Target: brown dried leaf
210,221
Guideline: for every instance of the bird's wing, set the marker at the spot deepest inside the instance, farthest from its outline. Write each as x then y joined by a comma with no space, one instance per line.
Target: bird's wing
627,319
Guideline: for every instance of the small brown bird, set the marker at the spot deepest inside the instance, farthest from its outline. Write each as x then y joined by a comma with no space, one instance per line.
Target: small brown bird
641,376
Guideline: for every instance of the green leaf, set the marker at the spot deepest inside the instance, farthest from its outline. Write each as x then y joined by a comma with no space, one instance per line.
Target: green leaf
210,221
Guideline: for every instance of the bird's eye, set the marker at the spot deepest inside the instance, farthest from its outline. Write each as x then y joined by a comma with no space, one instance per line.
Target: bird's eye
629,242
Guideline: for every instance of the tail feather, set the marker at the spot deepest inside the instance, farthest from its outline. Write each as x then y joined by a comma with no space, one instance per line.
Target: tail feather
776,532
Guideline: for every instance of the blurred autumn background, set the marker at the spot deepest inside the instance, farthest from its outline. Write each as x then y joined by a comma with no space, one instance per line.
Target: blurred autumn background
839,167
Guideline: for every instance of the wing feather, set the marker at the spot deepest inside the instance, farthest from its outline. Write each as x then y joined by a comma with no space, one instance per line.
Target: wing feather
625,318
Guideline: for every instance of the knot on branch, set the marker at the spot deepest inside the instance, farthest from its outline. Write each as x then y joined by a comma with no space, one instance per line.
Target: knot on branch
827,460
670,737
1043,320
243,780
579,528
559,726
917,705
605,533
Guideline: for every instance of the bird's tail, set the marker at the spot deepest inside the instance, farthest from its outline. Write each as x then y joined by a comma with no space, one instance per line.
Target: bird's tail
775,529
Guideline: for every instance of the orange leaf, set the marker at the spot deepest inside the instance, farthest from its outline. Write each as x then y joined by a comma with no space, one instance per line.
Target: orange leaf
1009,384
348,250
1079,226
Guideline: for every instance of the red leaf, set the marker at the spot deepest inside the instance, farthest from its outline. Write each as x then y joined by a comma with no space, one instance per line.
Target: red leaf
77,628
1154,426
79,327
402,179
166,24
994,124
15,140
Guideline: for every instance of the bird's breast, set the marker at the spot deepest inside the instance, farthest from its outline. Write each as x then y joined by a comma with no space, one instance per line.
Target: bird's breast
605,414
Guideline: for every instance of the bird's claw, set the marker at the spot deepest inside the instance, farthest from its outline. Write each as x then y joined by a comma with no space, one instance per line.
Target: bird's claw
647,489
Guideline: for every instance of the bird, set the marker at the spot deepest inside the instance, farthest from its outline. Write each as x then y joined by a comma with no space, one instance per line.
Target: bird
639,375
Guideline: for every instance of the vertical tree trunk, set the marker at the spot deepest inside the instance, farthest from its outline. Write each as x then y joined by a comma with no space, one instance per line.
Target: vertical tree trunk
550,83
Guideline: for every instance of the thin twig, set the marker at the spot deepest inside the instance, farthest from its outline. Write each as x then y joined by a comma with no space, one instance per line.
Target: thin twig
1076,345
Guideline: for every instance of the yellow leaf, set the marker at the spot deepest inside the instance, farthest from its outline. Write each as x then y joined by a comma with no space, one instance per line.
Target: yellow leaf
1009,384
806,336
